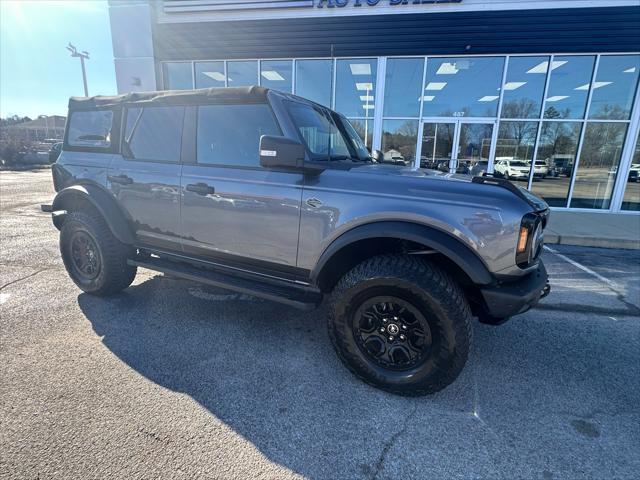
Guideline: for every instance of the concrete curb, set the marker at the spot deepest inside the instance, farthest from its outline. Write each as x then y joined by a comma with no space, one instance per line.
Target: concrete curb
586,241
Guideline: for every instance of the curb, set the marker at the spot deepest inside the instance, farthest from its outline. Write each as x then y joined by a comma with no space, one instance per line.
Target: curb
585,241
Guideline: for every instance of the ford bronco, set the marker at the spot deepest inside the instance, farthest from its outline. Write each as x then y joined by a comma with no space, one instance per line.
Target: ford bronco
265,193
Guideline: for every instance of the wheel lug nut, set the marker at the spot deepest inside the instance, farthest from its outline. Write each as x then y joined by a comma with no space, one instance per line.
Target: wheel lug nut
404,327
402,337
391,339
382,330
384,320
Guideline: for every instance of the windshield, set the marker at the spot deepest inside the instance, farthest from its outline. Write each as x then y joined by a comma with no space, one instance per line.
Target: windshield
327,135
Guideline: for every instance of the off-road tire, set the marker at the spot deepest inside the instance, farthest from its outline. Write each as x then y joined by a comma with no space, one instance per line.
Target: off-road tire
433,292
114,273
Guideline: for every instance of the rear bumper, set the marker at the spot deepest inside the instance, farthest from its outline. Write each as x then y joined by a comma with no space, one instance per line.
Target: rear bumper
507,299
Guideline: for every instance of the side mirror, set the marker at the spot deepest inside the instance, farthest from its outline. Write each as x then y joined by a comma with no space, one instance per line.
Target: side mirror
377,156
281,152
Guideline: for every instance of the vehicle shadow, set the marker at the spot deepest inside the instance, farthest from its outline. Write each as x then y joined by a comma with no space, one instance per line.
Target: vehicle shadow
270,373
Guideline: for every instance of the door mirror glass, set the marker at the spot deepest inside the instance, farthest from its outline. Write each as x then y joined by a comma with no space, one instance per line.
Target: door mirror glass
281,152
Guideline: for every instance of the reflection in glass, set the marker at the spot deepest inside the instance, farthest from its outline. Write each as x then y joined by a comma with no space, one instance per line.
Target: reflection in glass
523,90
514,151
568,85
474,144
557,148
437,145
462,87
314,79
209,74
355,87
614,87
631,199
364,127
403,82
177,75
276,74
399,138
242,74
598,165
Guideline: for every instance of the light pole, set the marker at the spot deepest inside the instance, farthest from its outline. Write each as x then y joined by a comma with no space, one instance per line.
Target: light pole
82,55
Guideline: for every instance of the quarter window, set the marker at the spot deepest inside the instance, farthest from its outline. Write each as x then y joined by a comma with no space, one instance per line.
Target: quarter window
230,134
154,133
90,129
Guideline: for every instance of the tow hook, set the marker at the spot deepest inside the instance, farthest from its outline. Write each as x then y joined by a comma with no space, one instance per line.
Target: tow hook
545,291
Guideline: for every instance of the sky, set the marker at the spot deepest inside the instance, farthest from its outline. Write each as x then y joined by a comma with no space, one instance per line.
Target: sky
37,72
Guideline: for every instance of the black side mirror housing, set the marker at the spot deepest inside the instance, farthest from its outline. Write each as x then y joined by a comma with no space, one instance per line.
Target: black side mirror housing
281,152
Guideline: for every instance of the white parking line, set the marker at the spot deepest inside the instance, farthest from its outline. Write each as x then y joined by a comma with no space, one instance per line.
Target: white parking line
604,280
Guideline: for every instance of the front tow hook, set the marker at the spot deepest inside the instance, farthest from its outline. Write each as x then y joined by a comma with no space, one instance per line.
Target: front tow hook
545,291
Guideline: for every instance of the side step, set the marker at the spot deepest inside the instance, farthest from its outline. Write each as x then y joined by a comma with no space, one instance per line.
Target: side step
298,296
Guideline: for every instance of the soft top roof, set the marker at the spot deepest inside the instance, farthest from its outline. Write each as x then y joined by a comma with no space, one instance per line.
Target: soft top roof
251,94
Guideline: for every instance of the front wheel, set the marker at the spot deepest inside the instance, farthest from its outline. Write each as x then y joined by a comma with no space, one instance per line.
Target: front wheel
95,260
401,324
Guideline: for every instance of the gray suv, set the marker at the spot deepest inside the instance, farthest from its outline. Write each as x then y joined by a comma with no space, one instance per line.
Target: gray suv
272,195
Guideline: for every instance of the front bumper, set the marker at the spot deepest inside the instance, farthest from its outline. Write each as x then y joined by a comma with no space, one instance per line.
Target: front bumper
511,298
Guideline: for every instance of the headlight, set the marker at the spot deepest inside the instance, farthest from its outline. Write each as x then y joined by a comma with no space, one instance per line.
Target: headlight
530,239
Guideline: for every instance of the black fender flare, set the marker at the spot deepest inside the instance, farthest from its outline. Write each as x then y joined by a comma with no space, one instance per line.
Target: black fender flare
430,237
101,201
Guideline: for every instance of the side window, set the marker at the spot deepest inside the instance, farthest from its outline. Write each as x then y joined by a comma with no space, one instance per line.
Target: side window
90,129
154,133
230,134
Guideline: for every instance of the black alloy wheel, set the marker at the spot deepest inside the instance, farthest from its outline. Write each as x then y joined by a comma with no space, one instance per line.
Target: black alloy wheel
85,255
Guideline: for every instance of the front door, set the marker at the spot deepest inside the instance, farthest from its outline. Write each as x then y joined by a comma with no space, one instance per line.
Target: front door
233,210
461,146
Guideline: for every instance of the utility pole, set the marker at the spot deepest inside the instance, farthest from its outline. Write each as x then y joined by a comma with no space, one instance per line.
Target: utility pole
82,55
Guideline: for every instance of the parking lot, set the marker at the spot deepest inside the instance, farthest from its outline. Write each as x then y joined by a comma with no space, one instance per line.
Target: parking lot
170,379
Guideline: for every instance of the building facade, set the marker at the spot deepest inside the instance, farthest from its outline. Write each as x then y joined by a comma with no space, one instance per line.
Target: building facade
543,92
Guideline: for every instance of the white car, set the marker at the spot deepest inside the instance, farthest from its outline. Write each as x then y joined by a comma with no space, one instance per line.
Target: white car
540,169
511,169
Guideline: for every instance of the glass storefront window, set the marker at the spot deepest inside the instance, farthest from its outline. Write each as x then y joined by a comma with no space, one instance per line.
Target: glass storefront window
514,150
314,79
242,74
437,145
403,82
462,87
209,74
356,86
568,85
631,199
598,165
614,87
399,139
364,127
557,148
276,74
474,144
177,76
523,88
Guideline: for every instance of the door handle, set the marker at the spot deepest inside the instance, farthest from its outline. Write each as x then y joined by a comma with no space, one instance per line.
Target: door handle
201,188
121,179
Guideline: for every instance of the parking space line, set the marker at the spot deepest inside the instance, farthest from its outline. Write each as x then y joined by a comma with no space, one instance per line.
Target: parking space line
604,280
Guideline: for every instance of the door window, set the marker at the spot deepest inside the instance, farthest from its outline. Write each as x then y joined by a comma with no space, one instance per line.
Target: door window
90,129
230,134
154,133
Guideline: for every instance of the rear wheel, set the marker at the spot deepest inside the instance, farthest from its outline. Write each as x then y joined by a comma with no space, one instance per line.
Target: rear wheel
95,260
401,324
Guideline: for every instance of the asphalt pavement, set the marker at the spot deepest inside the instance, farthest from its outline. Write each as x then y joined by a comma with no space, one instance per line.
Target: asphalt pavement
173,380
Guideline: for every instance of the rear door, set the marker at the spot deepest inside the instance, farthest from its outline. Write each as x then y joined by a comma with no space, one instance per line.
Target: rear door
233,210
146,178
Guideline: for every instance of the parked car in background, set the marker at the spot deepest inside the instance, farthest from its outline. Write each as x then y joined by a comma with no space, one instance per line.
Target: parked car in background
540,169
634,173
54,152
511,169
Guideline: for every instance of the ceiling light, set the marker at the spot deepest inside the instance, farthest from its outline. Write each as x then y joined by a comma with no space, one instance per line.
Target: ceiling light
218,76
368,107
364,86
630,70
488,98
435,85
447,69
272,75
557,98
427,98
542,67
595,85
366,98
360,68
513,85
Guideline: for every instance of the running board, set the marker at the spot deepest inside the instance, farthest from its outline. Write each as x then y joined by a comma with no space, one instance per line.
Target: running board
304,298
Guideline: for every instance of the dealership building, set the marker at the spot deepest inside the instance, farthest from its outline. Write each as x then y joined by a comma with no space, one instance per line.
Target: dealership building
543,92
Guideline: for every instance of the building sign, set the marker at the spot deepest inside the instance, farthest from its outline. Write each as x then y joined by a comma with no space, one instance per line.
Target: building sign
183,6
